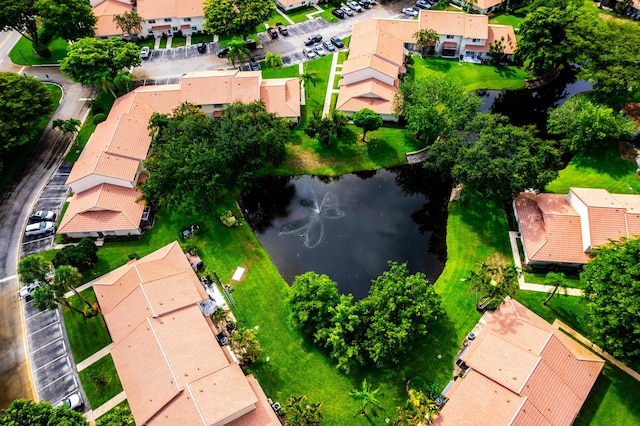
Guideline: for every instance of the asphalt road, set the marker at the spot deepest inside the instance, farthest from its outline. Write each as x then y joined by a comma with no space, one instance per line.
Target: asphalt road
15,205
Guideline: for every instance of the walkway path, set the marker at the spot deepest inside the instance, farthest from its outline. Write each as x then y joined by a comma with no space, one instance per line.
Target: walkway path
284,15
330,91
303,96
92,415
570,331
95,357
319,10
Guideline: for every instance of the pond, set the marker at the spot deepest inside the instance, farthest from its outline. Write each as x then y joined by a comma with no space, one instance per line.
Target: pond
348,227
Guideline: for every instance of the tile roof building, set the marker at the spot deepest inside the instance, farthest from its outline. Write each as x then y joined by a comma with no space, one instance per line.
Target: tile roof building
520,371
371,74
171,366
106,10
563,229
105,177
294,4
481,6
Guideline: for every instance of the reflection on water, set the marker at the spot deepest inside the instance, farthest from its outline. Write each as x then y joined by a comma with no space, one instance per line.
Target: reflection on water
349,227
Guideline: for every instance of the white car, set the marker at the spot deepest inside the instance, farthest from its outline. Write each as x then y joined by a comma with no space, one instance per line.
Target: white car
410,11
354,6
309,52
347,11
73,402
40,228
320,51
27,290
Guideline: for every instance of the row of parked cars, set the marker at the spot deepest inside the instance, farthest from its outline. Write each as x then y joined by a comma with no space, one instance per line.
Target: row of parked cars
321,49
420,4
352,6
41,222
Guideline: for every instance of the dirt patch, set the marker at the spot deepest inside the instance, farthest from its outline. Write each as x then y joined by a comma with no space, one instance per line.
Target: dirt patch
628,151
304,159
632,109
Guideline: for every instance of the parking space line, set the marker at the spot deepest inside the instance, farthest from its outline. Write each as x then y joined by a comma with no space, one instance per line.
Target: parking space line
51,343
59,378
38,240
40,313
44,328
52,361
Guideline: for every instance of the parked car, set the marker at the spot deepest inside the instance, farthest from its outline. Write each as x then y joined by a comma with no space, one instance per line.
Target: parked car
347,11
272,33
422,4
202,47
410,11
255,66
73,402
251,44
316,38
329,47
309,52
27,290
363,4
145,53
338,13
221,53
43,216
337,42
354,6
283,30
320,51
40,228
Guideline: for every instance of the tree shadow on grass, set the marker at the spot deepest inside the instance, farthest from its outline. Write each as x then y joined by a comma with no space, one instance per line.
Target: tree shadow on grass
485,217
606,161
379,150
435,64
505,72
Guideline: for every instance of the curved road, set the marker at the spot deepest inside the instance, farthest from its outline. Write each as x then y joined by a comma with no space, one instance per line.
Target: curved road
15,205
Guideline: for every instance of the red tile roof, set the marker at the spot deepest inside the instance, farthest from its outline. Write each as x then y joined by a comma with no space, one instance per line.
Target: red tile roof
105,11
522,371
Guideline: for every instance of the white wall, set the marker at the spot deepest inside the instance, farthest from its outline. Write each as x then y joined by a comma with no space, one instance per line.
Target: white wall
94,180
582,209
365,74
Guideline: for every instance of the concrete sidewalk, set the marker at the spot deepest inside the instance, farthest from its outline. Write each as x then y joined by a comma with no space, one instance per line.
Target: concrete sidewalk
332,76
94,358
110,404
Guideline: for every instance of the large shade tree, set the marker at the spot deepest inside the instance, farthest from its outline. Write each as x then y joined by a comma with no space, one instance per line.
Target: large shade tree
368,120
24,412
68,19
130,23
311,298
98,62
233,17
611,282
20,16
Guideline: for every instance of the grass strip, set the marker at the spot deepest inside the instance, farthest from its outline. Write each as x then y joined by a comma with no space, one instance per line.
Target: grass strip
100,381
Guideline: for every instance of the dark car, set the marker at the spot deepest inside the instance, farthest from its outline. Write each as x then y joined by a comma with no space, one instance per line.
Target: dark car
251,44
316,38
337,42
283,30
222,52
338,13
202,47
272,33
255,66
422,4
364,4
42,216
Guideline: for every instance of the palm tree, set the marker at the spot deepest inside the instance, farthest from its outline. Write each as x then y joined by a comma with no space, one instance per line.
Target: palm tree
47,297
299,412
246,346
218,316
106,85
65,278
32,269
124,77
493,281
273,60
367,396
426,38
309,76
130,23
237,50
556,279
418,410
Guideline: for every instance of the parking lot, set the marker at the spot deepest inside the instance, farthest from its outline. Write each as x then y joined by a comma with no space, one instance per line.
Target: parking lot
52,197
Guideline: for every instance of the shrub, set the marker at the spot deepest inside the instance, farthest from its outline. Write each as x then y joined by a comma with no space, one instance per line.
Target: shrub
228,219
99,118
83,255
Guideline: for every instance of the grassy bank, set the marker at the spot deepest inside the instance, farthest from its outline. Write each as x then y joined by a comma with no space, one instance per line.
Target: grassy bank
100,381
86,335
23,53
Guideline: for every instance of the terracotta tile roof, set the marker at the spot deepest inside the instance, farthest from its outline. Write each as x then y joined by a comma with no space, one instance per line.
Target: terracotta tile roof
522,372
281,96
369,93
496,32
104,207
455,23
105,11
153,9
370,61
263,415
403,29
230,86
286,3
378,42
486,4
172,377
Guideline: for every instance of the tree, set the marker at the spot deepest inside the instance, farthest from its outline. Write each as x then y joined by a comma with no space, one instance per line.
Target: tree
24,412
495,158
497,49
98,61
67,278
23,101
419,410
367,120
320,128
310,299
308,76
246,346
340,123
586,126
230,17
118,416
612,291
195,160
130,23
67,127
237,50
81,256
273,60
299,412
435,107
555,279
33,268
68,19
543,38
366,396
400,308
492,281
20,16
426,38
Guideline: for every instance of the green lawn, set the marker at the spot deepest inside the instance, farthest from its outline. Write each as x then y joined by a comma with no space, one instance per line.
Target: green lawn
23,53
86,335
606,170
470,76
300,15
507,19
18,158
100,381
282,72
573,280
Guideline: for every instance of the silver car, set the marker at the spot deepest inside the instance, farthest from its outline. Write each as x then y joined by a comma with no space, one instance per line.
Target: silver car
73,402
40,228
347,11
